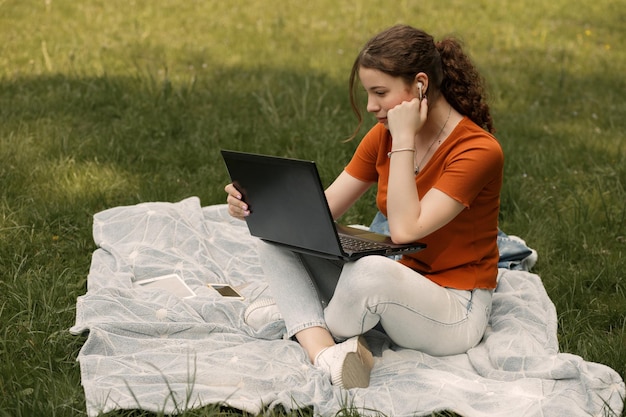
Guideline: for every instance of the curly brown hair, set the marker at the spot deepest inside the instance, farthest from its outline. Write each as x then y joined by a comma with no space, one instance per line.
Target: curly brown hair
403,51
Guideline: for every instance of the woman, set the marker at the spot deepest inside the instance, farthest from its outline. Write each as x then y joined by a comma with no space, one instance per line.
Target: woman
439,172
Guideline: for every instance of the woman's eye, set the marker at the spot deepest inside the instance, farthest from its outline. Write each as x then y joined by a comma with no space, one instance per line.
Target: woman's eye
379,93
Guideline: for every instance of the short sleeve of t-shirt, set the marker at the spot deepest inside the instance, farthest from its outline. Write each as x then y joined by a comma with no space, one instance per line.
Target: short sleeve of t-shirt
370,155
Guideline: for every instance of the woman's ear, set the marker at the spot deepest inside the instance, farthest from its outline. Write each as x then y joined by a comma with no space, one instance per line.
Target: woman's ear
421,85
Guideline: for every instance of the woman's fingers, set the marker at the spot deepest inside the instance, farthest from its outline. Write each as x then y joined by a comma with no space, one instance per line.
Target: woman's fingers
236,206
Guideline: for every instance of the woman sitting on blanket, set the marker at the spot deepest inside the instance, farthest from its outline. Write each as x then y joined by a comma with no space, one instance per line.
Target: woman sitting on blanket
439,172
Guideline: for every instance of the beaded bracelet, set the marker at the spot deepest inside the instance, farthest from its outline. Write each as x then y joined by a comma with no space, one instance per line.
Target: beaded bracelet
399,150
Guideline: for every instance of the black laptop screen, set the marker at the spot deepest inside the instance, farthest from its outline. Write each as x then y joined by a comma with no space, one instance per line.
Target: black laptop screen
286,200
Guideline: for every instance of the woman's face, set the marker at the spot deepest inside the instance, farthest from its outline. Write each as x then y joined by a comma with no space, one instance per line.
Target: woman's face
384,92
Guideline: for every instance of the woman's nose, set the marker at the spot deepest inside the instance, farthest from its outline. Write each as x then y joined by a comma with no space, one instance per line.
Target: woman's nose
372,105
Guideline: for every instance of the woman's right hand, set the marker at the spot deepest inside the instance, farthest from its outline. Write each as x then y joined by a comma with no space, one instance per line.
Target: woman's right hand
405,120
236,206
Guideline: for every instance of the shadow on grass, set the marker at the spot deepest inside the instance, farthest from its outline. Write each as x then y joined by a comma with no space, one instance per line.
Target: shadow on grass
157,138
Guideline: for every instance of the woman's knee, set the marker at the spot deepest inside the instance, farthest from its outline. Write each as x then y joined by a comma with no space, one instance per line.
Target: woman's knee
367,274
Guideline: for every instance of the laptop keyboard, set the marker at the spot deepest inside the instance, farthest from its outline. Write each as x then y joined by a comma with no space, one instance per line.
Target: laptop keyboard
350,244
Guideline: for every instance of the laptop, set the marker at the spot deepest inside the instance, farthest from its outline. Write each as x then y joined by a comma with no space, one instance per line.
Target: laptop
288,207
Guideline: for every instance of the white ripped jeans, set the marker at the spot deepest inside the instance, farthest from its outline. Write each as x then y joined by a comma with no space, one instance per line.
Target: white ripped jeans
414,312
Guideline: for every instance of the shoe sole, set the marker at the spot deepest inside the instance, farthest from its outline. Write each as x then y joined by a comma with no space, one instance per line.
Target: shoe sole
257,305
255,309
357,366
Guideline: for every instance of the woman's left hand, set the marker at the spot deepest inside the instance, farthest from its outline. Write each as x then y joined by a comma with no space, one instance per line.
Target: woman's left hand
405,120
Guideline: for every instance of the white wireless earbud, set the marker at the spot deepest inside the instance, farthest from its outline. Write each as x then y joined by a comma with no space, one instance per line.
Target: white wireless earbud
420,86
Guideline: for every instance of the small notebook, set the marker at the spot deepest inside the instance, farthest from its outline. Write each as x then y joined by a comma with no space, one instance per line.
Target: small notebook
171,283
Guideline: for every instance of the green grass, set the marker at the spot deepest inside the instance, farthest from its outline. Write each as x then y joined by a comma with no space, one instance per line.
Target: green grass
107,103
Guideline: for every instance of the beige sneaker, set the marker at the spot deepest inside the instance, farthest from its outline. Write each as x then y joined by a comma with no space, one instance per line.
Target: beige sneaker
261,312
349,363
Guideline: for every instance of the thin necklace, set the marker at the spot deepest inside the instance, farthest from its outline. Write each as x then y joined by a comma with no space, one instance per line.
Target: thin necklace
418,164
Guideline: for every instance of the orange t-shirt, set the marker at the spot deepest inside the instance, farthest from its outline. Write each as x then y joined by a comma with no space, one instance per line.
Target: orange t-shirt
468,167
